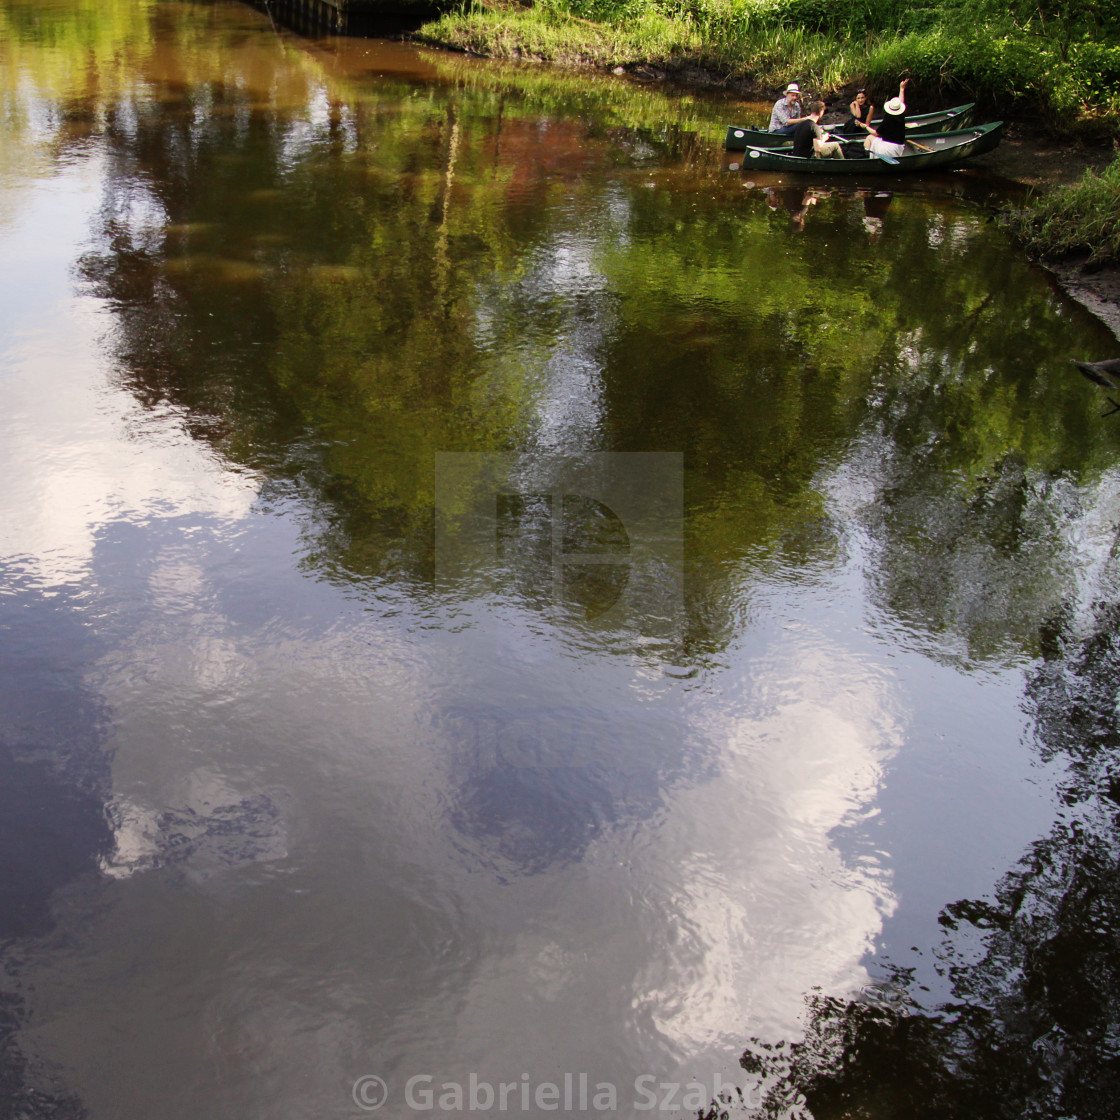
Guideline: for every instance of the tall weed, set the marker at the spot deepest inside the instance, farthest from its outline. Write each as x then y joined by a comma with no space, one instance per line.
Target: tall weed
1082,218
1057,59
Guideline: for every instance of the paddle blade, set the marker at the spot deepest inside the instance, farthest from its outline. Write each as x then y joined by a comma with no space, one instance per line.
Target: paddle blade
885,159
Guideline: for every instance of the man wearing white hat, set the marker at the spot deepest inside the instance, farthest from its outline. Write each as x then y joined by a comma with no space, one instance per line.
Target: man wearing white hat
787,111
888,138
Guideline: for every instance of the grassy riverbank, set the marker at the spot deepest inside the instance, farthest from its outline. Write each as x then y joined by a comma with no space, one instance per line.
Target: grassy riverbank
1055,62
1082,219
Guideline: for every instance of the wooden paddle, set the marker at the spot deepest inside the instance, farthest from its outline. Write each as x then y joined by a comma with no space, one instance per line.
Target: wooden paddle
920,147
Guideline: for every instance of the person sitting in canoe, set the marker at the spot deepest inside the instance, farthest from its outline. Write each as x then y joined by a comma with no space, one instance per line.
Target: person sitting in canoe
809,139
786,114
860,111
889,139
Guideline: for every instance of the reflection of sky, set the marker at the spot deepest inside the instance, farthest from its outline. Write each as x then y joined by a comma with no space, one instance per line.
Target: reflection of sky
96,456
302,889
964,784
276,769
276,765
313,129
569,407
53,771
563,357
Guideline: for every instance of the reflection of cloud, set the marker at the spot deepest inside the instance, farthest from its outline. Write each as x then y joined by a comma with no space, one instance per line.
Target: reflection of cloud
86,475
204,839
764,903
61,417
697,911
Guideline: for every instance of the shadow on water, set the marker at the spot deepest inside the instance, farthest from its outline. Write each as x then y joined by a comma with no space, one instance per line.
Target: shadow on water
383,19
54,777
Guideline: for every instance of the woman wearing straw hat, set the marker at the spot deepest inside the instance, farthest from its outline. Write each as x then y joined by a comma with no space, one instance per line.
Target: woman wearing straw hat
787,114
889,139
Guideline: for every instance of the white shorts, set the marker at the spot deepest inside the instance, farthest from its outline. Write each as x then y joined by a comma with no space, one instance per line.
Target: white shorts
884,147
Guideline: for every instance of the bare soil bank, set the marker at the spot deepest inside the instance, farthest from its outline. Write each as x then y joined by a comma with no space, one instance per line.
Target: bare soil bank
1098,291
1031,156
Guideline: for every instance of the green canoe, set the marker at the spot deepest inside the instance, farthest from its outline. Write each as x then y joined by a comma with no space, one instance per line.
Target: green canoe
740,137
946,149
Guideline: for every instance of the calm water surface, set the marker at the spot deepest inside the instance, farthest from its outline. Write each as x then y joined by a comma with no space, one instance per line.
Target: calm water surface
490,591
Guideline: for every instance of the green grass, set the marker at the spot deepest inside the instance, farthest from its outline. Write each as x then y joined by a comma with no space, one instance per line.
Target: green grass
1063,69
1078,219
556,36
721,45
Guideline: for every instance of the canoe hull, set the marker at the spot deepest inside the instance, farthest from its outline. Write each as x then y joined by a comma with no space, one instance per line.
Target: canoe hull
947,150
740,137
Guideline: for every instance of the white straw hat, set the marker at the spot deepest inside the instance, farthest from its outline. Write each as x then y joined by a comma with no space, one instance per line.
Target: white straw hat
793,87
895,107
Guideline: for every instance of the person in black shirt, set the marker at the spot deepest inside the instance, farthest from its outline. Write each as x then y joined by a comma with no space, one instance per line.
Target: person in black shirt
860,112
889,139
809,139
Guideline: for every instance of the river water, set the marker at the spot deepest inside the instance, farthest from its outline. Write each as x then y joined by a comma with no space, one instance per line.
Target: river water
491,595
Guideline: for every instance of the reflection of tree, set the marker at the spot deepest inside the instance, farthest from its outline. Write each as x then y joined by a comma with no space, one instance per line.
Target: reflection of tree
334,280
1034,1030
841,360
977,563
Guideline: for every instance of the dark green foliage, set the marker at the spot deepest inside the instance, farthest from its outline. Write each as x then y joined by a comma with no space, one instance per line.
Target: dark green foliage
1098,68
825,15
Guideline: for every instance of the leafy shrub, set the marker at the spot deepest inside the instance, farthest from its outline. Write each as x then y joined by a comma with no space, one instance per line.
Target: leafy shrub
1097,68
920,19
845,16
